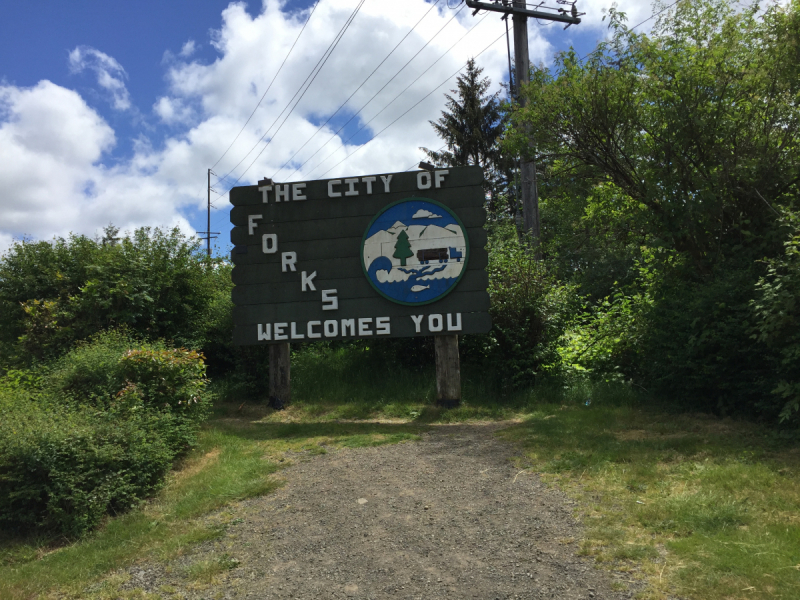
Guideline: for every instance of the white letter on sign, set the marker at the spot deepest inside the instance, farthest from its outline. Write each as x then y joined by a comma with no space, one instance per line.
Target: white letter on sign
351,189
423,185
331,193
251,223
386,179
265,189
307,281
331,328
310,331
295,335
282,193
269,243
382,325
439,175
329,300
298,195
287,260
369,181
363,326
264,332
417,320
450,325
435,323
279,335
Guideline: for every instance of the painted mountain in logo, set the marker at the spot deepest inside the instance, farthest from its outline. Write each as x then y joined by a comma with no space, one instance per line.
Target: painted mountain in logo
415,251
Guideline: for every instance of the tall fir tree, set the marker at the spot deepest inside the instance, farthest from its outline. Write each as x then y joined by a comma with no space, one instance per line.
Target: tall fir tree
472,125
402,248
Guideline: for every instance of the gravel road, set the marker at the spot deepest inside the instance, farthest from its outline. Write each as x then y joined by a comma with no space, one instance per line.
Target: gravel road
445,517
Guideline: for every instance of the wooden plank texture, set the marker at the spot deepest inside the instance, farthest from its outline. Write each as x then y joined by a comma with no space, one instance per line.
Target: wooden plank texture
400,183
326,233
333,248
456,199
329,269
289,289
331,228
448,371
400,326
359,307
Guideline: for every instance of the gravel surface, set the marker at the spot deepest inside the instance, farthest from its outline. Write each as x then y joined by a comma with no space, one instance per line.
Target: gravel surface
445,517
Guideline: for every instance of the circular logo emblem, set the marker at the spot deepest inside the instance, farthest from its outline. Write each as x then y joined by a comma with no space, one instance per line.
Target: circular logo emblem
414,251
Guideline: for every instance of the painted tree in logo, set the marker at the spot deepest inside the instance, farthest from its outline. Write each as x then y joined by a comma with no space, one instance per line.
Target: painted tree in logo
402,249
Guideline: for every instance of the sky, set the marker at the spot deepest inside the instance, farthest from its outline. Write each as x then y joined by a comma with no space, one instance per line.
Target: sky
112,112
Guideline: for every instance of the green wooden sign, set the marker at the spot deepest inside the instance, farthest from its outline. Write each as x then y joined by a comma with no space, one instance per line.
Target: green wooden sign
393,255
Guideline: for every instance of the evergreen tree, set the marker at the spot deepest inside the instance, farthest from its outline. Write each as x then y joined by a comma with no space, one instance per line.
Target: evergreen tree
472,125
402,249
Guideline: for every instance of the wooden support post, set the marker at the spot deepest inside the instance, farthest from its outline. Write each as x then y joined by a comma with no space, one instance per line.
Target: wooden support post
280,391
448,371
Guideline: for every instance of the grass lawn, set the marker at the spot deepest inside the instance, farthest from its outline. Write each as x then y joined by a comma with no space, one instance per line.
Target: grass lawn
697,506
701,507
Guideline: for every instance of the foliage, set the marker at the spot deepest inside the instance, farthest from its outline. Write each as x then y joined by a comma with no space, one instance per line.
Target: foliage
777,310
65,467
97,431
52,294
529,309
668,159
621,116
471,126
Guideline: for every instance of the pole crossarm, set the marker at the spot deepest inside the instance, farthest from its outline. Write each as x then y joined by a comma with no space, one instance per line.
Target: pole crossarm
516,10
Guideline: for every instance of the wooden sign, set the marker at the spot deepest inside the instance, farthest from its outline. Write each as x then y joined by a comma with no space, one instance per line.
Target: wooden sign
393,255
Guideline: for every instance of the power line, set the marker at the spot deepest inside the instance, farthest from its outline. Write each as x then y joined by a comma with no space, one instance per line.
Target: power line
653,16
375,95
417,162
356,90
360,129
413,107
312,76
285,58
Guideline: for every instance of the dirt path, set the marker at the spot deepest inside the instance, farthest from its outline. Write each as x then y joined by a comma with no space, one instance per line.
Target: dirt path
447,517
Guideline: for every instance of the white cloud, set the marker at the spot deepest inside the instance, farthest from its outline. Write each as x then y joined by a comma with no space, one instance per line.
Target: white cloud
6,241
425,214
173,111
51,147
55,150
188,49
110,74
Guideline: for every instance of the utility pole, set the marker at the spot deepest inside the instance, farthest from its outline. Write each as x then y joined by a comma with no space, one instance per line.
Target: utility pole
522,70
208,234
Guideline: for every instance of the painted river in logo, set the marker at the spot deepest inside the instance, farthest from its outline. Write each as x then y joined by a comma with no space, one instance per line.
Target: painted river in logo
415,251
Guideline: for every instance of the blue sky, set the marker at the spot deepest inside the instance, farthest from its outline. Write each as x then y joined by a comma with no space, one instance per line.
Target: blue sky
113,111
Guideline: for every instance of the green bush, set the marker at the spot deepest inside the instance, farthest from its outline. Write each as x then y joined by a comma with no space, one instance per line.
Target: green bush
97,431
154,282
65,467
530,310
777,312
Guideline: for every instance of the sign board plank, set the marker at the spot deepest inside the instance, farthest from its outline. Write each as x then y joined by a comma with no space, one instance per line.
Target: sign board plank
392,255
349,289
252,254
334,268
333,228
406,182
332,329
475,301
358,207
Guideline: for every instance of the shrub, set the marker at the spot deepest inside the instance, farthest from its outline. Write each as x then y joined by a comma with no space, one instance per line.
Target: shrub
97,431
777,312
153,281
529,309
65,467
